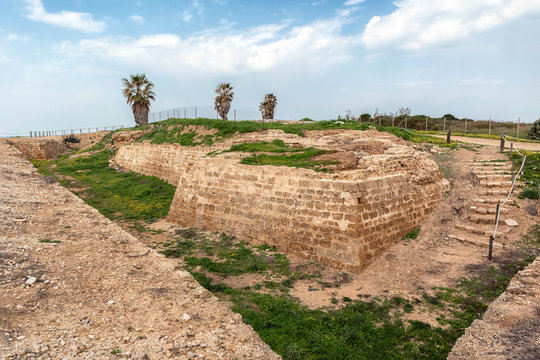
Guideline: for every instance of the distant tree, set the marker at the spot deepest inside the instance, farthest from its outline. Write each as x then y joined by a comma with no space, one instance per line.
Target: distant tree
267,106
404,111
222,103
138,93
450,117
534,132
365,117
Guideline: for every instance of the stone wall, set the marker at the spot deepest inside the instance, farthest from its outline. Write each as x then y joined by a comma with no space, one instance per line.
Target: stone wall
329,218
42,149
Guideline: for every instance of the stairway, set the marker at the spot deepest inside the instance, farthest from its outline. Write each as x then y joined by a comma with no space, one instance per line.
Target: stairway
494,182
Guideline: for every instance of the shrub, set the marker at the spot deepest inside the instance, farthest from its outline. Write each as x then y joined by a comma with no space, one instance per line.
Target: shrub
534,132
72,139
365,117
450,117
530,193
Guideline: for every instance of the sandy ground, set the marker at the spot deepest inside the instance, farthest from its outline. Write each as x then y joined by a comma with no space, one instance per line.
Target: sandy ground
73,285
493,142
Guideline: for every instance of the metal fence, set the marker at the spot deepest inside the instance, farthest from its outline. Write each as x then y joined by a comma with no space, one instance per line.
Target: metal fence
44,133
465,126
194,112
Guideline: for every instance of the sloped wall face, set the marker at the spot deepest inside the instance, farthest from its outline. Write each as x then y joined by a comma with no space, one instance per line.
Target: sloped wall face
41,149
344,224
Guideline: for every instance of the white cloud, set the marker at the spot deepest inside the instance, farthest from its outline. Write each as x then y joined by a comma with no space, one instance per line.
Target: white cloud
187,15
353,2
475,81
417,24
68,19
137,19
261,48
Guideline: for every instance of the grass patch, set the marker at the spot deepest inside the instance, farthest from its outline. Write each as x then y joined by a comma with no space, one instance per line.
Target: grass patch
274,146
170,131
531,173
302,159
413,234
116,195
49,241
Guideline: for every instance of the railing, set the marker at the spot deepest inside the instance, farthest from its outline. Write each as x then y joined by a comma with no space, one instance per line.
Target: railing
45,133
514,178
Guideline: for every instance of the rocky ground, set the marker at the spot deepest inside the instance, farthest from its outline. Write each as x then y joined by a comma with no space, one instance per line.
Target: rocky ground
73,285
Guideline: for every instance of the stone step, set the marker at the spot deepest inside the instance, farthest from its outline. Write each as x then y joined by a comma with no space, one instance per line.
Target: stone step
475,240
493,172
488,210
486,230
499,184
484,192
484,219
490,177
484,201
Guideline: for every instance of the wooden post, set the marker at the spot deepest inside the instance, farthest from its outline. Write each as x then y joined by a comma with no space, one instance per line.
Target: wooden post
465,125
234,114
393,118
448,137
502,144
195,112
406,117
426,122
490,251
518,129
444,125
379,121
511,149
489,126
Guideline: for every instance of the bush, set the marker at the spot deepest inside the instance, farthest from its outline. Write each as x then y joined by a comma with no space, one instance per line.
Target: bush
450,117
530,193
365,117
534,132
72,139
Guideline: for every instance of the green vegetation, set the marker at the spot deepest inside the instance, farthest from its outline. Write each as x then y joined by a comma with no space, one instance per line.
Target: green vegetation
413,234
72,139
115,194
174,130
304,159
356,329
534,131
49,241
275,146
531,173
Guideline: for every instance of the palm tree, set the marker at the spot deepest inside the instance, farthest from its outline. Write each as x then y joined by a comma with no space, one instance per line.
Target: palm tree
267,106
222,103
138,92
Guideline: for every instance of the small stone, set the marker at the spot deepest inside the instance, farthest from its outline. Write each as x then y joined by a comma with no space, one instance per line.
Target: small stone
186,317
532,210
31,280
110,302
203,345
90,336
511,222
21,337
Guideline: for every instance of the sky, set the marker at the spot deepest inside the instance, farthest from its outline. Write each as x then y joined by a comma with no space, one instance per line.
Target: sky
62,61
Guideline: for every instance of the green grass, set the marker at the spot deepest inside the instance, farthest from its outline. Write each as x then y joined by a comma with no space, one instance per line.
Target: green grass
302,159
49,241
413,234
531,173
274,146
159,131
115,194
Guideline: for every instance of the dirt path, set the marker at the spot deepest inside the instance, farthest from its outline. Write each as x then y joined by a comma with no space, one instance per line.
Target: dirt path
493,142
73,285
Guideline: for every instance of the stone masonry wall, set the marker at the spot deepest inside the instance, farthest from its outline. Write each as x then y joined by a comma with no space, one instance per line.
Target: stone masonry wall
342,223
42,149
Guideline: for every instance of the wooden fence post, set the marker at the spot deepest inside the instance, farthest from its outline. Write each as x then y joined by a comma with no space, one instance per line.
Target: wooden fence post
448,137
502,144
